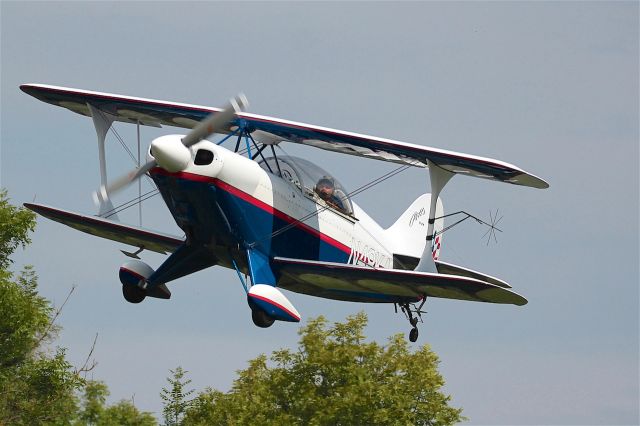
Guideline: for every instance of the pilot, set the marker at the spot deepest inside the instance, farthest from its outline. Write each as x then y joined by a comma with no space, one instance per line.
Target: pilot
325,189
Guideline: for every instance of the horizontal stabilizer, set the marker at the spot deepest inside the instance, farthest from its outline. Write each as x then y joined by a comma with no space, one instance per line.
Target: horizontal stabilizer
116,231
364,284
451,269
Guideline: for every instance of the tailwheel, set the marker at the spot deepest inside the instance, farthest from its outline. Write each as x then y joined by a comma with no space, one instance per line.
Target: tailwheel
133,294
261,318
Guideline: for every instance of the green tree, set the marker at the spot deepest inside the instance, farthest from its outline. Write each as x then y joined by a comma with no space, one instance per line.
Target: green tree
15,226
37,384
334,378
95,412
93,402
176,399
124,413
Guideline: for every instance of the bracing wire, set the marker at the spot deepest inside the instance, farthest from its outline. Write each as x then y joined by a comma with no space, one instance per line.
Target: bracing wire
352,194
126,148
490,234
131,203
124,145
141,197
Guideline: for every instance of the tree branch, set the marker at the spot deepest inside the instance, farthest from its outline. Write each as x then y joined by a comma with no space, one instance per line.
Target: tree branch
54,318
86,367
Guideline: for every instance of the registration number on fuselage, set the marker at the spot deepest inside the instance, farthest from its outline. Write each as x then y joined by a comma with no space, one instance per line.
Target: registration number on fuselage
365,254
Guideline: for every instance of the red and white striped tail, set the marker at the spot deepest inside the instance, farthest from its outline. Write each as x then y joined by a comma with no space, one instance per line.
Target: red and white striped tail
435,248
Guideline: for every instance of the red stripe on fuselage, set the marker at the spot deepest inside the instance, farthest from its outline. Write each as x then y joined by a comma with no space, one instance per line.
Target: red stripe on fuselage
256,202
135,274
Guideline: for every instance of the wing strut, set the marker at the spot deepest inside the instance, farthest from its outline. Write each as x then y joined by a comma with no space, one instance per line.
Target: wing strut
102,122
439,178
139,180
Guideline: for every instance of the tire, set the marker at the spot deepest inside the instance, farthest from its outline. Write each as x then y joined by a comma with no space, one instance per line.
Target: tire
133,294
413,335
261,318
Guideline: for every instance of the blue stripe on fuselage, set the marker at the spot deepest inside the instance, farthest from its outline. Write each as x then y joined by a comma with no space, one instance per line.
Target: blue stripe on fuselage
193,204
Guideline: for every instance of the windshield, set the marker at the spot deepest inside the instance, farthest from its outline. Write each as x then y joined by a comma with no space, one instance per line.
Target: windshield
312,180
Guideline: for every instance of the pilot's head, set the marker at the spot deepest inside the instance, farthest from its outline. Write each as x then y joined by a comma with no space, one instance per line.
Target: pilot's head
325,188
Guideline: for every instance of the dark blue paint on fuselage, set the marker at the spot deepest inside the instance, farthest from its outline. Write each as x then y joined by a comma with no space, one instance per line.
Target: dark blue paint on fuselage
193,206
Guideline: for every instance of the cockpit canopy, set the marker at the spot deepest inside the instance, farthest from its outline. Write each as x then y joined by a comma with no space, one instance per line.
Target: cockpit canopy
306,175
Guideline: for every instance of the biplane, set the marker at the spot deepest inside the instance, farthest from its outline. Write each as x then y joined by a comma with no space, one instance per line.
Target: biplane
279,221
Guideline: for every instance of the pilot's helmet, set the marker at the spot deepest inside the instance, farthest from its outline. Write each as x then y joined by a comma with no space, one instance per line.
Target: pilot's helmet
325,181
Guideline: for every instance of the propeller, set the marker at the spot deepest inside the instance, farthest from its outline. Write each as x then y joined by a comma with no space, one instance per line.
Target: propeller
212,124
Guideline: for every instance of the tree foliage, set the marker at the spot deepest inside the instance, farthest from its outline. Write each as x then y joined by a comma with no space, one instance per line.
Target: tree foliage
37,383
36,386
15,226
176,399
95,412
334,378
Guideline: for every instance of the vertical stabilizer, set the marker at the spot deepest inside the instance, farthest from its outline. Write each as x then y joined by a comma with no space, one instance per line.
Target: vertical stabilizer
408,235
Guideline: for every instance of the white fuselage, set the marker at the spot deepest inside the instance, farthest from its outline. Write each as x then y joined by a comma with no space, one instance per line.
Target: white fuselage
357,237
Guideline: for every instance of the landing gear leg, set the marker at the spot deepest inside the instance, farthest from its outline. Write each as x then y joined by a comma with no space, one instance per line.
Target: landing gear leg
408,310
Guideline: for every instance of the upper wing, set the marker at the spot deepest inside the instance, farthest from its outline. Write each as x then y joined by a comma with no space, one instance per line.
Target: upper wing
364,284
154,113
138,237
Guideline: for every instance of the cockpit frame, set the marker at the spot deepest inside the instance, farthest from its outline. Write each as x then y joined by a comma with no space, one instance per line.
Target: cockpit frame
305,175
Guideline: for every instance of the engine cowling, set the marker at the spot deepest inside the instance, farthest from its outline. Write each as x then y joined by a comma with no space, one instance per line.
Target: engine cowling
271,301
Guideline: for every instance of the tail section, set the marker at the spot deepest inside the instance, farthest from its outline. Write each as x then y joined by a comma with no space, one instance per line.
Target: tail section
408,235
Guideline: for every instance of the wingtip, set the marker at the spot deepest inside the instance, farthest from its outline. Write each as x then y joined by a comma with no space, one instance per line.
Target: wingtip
530,180
26,87
32,89
36,208
542,184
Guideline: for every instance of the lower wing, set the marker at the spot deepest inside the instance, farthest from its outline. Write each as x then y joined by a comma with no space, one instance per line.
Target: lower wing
104,228
364,284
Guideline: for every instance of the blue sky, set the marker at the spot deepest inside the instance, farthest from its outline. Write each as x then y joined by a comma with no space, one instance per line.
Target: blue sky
551,87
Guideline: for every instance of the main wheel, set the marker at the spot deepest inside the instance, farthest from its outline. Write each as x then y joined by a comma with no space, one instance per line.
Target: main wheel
133,294
413,334
261,319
